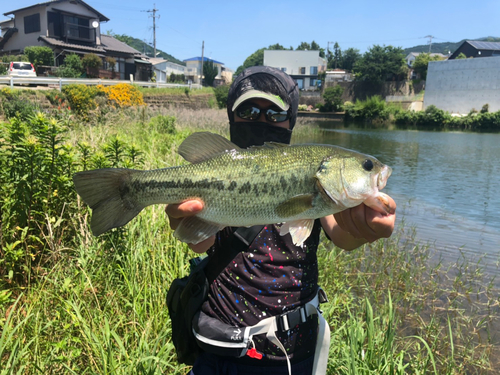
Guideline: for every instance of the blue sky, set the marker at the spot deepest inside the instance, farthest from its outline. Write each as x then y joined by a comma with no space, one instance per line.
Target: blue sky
233,30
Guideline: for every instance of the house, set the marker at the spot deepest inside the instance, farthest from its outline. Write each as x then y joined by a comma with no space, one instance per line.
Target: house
302,66
477,48
70,27
336,75
193,70
410,58
164,68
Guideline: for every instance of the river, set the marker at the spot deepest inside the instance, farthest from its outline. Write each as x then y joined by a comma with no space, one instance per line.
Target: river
446,184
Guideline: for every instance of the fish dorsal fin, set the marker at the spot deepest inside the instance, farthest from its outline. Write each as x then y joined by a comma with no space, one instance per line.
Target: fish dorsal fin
204,145
269,145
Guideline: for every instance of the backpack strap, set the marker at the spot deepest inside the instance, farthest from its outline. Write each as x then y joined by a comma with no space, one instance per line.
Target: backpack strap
239,241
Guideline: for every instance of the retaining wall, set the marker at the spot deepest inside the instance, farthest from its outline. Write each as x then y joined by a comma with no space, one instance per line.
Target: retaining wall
459,86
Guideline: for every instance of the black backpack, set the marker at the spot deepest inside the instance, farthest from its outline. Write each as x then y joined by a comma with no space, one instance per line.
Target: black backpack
187,294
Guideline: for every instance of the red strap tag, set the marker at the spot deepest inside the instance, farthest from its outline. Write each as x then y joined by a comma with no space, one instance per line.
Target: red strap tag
253,353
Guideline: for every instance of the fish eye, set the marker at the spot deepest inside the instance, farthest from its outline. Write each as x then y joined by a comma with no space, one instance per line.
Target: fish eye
368,165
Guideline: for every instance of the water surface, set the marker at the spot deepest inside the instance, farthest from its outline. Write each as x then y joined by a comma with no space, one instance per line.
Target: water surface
446,184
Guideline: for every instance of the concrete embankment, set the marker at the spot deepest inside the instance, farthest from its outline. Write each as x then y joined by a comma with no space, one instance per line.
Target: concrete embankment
334,116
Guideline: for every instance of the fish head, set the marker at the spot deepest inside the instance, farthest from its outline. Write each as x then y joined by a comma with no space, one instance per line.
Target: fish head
349,178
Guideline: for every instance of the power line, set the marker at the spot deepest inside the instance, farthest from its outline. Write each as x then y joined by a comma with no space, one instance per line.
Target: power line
430,41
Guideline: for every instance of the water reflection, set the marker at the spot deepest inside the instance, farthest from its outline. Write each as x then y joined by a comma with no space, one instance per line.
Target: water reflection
445,183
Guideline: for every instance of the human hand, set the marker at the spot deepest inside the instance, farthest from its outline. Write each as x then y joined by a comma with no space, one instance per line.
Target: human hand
177,212
363,222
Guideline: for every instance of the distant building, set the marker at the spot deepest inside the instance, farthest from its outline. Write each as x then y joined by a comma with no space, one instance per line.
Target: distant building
193,70
164,68
302,66
336,75
69,27
410,58
476,48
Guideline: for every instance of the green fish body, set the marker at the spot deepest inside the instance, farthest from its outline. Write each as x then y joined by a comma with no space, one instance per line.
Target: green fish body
269,184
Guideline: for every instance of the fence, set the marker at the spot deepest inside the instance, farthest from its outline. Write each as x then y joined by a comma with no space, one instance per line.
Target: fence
60,82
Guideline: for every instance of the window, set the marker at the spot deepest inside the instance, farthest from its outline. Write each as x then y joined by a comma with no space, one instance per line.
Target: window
312,82
283,70
32,23
302,70
314,70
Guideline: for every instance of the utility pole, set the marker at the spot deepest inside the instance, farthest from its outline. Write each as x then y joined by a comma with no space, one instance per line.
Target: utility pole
202,50
430,41
154,10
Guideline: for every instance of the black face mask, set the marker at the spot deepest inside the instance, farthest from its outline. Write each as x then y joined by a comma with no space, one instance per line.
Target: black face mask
246,134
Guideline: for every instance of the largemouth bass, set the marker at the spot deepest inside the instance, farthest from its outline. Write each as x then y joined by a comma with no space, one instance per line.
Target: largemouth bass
270,184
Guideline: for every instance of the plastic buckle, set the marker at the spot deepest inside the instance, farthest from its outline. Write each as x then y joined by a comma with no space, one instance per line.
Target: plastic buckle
253,353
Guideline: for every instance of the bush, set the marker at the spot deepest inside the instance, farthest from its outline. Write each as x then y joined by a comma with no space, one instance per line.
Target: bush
14,103
72,67
333,99
39,55
221,93
91,63
123,95
372,108
81,98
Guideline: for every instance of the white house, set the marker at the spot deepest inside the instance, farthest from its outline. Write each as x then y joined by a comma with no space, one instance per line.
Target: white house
193,70
302,66
164,68
336,75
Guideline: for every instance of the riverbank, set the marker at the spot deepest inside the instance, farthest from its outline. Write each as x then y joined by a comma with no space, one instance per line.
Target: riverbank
74,303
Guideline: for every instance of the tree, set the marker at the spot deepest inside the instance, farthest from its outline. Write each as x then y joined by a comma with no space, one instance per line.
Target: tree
257,58
380,64
349,58
311,47
422,62
38,55
335,58
91,63
71,68
461,56
210,71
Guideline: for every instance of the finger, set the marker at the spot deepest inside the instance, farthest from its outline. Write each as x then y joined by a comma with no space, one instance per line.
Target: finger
360,222
184,209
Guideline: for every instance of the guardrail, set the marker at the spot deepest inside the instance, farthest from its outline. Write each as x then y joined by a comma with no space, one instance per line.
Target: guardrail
60,82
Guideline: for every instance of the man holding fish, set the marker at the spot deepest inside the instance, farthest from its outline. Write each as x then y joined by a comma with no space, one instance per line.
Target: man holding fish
277,274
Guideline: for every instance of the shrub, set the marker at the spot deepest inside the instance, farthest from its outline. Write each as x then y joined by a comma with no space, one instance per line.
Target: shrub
72,67
333,99
16,104
39,55
81,98
221,93
91,63
123,95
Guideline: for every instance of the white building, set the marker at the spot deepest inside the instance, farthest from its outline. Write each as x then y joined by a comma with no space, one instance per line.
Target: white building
410,58
193,70
164,68
302,66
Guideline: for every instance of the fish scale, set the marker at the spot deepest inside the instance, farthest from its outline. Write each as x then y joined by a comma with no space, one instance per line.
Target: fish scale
273,183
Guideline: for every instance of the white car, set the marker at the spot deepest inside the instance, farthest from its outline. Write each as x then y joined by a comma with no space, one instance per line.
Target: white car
21,69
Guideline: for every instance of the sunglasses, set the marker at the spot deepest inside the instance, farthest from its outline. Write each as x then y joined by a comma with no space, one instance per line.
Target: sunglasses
252,112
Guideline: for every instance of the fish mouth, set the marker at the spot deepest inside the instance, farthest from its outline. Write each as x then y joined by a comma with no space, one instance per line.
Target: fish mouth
383,175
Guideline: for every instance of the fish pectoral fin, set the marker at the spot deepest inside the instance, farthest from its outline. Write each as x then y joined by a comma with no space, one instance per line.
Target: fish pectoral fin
204,145
193,230
295,206
300,230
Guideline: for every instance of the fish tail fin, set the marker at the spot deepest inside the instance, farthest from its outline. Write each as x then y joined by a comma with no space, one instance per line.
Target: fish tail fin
106,191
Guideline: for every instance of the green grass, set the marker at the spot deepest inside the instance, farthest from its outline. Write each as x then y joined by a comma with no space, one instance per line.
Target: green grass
98,306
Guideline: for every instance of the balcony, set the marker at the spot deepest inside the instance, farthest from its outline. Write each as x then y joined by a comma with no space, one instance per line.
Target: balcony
79,33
